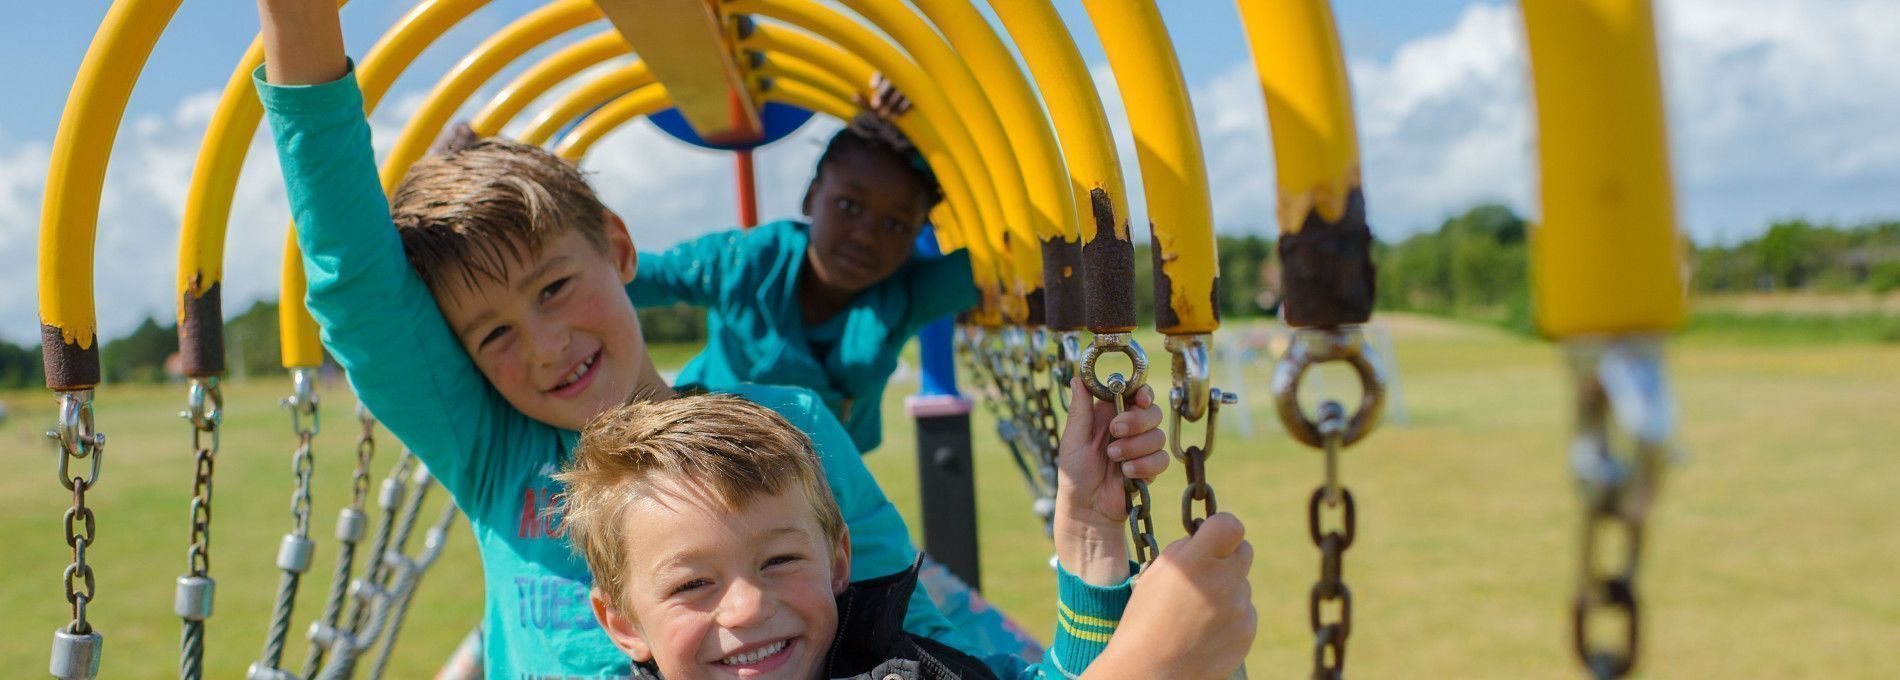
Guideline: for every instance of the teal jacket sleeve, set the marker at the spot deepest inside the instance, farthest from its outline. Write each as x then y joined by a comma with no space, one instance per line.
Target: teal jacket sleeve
1086,618
880,542
692,272
378,318
939,287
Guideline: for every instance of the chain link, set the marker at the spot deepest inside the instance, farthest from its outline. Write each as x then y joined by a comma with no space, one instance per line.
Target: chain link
294,553
351,522
1141,521
77,441
1329,637
194,598
1625,423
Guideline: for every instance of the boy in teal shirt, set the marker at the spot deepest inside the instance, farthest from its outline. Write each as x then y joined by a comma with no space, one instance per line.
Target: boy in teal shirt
502,331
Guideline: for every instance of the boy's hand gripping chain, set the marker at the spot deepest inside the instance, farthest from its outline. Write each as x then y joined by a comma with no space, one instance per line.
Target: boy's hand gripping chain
293,555
1625,421
1330,433
196,589
77,646
1141,523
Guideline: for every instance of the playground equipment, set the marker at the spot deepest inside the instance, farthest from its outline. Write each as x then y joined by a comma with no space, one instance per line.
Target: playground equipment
1034,192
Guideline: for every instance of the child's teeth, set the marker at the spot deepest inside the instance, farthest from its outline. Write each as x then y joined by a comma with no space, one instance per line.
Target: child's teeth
753,656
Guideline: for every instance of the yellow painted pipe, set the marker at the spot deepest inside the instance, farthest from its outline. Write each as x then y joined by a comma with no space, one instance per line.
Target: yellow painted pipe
923,90
544,75
1034,141
786,67
1173,173
387,59
1606,258
982,261
645,101
474,70
69,214
1088,147
1000,156
1325,242
208,212
580,100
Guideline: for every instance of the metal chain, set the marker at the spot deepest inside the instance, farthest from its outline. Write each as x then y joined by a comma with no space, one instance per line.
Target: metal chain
350,523
76,646
1626,420
196,589
390,498
1141,521
294,553
1194,458
1329,637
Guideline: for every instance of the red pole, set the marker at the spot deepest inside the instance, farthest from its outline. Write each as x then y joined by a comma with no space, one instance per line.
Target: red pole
748,190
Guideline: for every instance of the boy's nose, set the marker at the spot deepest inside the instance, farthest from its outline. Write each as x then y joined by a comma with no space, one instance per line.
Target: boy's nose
547,343
745,604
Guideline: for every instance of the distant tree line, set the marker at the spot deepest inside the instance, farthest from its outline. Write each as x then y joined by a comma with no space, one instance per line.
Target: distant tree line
1473,266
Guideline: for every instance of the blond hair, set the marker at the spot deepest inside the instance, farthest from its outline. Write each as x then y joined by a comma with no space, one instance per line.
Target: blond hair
732,449
466,213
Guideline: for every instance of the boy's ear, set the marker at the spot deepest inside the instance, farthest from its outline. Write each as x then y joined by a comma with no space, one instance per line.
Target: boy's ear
804,205
622,629
620,248
841,565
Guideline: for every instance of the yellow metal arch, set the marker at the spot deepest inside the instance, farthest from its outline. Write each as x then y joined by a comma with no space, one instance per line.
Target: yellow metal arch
1606,258
644,101
578,102
1088,147
69,215
1173,172
543,75
474,70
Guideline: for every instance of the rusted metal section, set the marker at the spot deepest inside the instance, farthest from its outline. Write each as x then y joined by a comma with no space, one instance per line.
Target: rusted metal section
201,331
1062,281
1166,316
1327,269
1036,307
1108,267
69,366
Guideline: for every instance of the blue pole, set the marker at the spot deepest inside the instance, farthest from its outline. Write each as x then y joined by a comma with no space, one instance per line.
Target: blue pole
946,477
933,340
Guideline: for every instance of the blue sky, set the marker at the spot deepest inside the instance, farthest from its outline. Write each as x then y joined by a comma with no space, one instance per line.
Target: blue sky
1777,109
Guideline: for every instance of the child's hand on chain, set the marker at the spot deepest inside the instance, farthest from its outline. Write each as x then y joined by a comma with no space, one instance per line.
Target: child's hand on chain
1099,450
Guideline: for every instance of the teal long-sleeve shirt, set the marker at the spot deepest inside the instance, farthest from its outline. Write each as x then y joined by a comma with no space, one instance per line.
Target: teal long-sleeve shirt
385,329
748,282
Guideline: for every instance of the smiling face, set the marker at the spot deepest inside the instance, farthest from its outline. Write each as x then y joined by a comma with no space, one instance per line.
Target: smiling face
713,592
866,208
556,335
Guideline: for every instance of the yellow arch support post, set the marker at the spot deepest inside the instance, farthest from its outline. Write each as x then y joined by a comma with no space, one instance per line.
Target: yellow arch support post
388,58
924,91
207,209
639,103
1107,254
543,75
475,69
791,89
1173,174
1607,274
578,102
1324,242
69,215
1033,138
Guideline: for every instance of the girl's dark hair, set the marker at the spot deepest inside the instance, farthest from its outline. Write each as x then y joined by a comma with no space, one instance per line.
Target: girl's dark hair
869,133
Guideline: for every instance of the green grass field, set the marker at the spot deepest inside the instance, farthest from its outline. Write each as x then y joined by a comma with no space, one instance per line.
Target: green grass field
1772,552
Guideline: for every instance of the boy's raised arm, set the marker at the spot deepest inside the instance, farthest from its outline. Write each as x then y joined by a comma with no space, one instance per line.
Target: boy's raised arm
303,41
378,318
